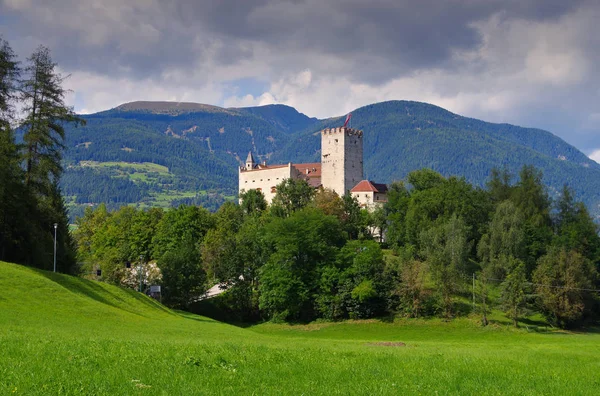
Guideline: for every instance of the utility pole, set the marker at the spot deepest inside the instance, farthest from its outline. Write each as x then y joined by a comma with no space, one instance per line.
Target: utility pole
55,227
473,291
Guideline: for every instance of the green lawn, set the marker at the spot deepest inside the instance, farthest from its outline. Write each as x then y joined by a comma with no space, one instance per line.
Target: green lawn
65,335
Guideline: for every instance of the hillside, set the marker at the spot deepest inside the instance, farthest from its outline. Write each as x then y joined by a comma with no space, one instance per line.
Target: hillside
66,335
198,148
403,136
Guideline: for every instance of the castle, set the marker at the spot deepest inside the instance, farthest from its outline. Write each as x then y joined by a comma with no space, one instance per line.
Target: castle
340,169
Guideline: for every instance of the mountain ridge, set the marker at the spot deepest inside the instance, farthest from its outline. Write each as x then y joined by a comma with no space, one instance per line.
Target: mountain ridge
202,146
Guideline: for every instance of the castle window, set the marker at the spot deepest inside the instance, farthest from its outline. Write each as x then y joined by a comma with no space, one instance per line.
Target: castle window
273,190
336,140
259,189
246,181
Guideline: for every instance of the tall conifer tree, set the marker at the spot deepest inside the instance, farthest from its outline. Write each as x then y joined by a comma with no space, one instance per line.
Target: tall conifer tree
45,114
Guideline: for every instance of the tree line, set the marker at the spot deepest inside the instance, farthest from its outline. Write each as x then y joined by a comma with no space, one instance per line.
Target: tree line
312,254
32,102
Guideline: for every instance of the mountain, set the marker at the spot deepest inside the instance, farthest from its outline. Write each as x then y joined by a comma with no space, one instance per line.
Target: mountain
165,153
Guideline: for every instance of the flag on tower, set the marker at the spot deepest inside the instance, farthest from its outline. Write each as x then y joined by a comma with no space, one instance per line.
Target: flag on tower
348,117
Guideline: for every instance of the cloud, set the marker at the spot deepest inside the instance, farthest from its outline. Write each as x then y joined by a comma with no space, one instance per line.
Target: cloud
529,62
595,155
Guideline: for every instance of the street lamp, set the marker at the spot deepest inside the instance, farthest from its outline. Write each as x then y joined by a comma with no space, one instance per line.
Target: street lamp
55,227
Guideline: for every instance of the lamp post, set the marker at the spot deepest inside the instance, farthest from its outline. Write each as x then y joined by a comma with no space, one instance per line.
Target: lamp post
55,227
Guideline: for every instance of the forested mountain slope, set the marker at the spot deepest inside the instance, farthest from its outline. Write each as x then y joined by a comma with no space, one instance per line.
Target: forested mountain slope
402,136
197,149
165,153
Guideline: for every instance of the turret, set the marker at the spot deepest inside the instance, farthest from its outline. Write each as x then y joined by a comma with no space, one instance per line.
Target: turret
250,163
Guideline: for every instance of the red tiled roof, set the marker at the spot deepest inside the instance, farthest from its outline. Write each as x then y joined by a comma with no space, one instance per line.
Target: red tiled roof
313,168
368,186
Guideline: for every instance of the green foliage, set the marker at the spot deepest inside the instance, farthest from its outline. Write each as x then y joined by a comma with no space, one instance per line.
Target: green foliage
31,205
253,202
183,277
504,241
182,224
514,290
302,244
316,258
445,247
292,195
563,280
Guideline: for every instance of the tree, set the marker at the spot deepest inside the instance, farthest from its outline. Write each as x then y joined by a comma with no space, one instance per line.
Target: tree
181,224
292,195
9,74
445,248
14,199
499,185
424,179
363,278
562,280
531,199
329,202
412,287
395,209
514,291
575,228
182,275
354,219
302,244
504,242
45,116
253,202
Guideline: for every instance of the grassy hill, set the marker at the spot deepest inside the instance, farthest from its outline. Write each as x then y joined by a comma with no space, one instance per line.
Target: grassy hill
199,148
65,335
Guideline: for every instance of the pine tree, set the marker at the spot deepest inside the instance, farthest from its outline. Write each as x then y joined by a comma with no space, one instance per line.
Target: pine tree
45,116
13,195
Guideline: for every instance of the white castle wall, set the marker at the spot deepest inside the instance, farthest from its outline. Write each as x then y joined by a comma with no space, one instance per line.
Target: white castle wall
264,179
341,159
370,200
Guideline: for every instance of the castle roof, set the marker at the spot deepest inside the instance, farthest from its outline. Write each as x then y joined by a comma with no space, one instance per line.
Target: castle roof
250,158
311,169
311,172
368,186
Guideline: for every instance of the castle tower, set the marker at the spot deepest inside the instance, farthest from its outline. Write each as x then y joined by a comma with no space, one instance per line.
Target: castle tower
341,159
250,163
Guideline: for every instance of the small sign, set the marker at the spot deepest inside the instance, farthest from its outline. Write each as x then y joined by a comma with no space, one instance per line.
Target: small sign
155,289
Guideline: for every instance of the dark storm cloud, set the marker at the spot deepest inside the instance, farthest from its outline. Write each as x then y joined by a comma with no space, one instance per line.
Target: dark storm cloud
530,62
373,41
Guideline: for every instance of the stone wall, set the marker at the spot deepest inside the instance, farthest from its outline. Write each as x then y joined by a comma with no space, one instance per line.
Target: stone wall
341,159
264,179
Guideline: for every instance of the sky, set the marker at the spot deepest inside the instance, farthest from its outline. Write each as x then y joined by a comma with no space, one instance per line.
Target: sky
532,63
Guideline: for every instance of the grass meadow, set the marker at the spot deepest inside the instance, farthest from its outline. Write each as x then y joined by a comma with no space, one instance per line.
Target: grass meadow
66,335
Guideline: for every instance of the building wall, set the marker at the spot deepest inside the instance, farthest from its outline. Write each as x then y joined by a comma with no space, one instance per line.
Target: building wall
369,199
266,179
341,159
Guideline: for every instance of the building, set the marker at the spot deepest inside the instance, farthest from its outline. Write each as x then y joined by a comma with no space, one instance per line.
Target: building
340,169
370,194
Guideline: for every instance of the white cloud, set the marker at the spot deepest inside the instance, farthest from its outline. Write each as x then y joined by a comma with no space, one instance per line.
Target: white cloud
595,155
